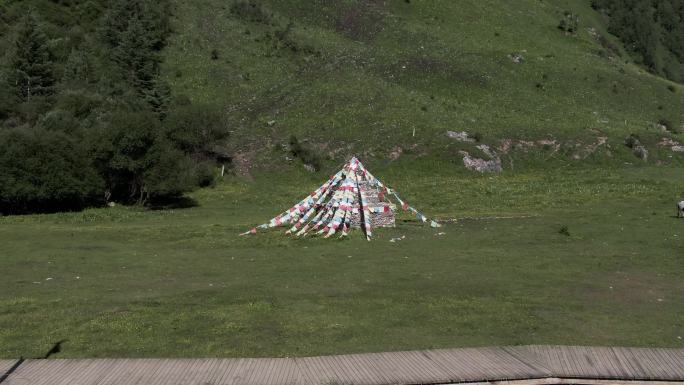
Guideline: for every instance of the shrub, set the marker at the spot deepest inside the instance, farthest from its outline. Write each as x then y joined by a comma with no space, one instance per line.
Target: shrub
302,152
204,174
632,141
8,101
196,129
138,161
250,10
569,23
79,103
666,123
564,230
59,120
170,172
610,49
45,171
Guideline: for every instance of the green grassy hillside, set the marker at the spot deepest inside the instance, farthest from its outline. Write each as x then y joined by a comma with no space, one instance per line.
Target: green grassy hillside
361,76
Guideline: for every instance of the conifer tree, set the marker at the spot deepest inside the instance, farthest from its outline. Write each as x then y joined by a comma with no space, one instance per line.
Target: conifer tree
135,56
33,73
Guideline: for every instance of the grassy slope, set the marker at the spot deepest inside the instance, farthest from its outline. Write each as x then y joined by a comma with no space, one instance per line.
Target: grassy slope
426,65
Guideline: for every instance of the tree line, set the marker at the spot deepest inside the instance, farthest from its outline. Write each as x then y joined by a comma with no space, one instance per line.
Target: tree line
85,117
652,30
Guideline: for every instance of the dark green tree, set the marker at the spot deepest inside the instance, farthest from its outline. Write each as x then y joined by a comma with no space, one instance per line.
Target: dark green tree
45,171
159,98
32,66
139,162
653,31
136,58
136,31
196,129
79,68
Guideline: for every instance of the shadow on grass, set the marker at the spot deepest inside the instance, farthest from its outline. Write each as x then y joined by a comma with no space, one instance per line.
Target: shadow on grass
173,203
56,348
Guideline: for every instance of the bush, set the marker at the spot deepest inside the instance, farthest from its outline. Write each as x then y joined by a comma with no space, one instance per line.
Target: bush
170,173
307,156
610,49
142,160
666,123
45,171
59,120
196,129
569,23
8,101
632,141
79,103
127,148
250,10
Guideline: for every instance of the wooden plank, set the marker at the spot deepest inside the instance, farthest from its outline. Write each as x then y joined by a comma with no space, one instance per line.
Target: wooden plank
501,365
529,356
223,370
367,370
86,370
123,373
212,372
5,365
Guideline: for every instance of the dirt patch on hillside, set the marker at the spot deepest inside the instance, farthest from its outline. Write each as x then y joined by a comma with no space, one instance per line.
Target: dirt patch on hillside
577,149
362,21
242,164
674,145
429,70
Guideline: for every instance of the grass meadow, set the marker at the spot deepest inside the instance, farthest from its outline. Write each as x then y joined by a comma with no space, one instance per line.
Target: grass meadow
576,256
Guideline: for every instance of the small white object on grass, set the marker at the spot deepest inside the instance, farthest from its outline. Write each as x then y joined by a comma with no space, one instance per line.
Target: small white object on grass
48,279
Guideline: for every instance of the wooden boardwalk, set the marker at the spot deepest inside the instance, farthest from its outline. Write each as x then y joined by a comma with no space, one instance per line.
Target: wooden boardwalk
516,364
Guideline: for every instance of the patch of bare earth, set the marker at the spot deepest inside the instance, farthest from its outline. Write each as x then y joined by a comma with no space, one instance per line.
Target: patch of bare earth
362,21
632,287
673,144
242,164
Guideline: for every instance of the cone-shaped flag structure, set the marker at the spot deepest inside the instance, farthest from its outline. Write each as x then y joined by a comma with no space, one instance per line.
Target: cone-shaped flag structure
352,197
